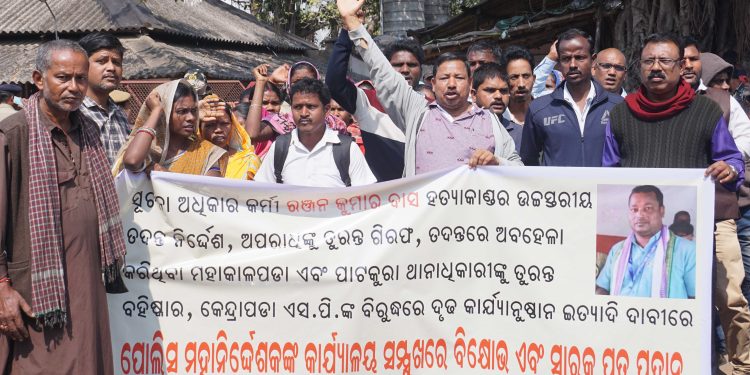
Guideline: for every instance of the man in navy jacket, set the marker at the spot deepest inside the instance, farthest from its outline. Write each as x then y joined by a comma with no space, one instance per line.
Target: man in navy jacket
566,128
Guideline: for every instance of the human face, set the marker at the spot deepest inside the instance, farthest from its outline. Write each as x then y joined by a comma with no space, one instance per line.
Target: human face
575,60
493,94
720,81
451,86
218,131
520,79
610,69
549,84
645,214
304,71
660,70
309,113
479,58
271,101
691,68
407,65
65,82
105,70
184,115
339,111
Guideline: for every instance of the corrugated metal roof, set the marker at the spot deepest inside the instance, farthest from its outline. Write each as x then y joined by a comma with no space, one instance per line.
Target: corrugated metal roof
210,20
33,17
147,58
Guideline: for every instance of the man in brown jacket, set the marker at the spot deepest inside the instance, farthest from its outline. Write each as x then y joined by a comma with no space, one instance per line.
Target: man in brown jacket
60,230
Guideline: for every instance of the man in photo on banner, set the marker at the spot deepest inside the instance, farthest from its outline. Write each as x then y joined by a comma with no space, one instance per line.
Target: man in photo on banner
652,261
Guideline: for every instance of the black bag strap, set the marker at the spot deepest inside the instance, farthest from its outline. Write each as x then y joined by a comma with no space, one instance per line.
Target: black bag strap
341,157
279,155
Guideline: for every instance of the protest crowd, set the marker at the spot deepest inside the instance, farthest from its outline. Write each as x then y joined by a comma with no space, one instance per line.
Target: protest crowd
63,146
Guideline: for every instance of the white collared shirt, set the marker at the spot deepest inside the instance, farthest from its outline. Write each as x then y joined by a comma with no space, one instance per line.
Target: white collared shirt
509,116
739,123
304,167
581,116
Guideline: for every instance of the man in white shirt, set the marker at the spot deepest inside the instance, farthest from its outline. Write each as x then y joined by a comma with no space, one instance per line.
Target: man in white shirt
311,157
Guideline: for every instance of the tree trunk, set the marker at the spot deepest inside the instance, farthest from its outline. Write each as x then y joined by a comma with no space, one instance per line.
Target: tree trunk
402,15
436,12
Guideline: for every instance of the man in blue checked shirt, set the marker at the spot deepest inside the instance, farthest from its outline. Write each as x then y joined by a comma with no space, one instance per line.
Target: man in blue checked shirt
105,72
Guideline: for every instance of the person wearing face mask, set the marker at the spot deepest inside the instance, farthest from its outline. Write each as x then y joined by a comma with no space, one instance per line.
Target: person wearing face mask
567,126
7,107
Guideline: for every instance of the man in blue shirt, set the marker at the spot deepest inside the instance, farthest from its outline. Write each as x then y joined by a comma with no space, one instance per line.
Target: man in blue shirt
652,261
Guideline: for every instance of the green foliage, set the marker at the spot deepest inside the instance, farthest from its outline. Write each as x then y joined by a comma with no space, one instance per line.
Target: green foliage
458,6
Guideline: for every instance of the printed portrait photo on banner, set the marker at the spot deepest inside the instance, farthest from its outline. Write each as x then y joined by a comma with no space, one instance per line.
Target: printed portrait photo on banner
645,241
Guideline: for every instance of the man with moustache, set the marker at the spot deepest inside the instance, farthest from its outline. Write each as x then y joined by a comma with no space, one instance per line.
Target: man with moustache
610,70
60,229
105,72
448,132
489,90
406,57
666,125
519,68
567,126
482,52
312,148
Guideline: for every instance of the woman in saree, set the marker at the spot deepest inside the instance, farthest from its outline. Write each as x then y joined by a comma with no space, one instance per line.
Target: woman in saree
220,127
164,135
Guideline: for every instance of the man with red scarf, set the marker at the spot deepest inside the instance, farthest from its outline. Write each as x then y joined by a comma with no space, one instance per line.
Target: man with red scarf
666,125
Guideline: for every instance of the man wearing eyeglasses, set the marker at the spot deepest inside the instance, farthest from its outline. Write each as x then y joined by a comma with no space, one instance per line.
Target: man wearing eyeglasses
666,125
567,126
610,70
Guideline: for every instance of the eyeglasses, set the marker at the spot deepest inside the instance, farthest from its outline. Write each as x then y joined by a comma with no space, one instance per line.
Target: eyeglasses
607,66
663,62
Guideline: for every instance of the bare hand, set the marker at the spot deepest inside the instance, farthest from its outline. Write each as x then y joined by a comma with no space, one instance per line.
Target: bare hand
211,107
153,101
261,73
11,305
482,157
720,171
349,9
552,54
280,75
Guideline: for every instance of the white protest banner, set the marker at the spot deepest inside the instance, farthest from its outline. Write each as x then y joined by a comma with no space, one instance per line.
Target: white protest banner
467,271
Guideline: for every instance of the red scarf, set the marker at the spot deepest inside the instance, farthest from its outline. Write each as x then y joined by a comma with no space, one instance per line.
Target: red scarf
646,110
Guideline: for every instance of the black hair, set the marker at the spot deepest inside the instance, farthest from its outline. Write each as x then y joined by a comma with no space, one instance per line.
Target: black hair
242,109
689,40
304,66
646,189
486,45
250,91
449,56
98,40
513,53
408,45
183,90
485,72
681,213
572,34
311,86
665,38
5,95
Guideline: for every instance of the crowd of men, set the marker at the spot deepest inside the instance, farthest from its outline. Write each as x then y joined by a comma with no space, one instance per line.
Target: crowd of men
62,146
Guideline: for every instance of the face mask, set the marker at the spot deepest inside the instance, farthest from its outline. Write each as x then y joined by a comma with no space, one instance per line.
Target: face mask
546,92
17,101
